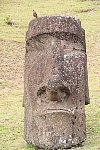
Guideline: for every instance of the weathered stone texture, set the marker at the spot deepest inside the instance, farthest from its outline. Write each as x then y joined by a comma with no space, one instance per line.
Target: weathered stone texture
56,86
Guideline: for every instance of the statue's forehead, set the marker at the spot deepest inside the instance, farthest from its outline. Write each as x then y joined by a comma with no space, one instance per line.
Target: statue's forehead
55,42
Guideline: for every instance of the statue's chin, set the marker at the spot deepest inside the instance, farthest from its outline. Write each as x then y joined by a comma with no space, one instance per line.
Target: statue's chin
55,129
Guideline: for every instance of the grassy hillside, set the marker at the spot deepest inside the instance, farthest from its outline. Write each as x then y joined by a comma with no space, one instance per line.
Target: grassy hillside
12,43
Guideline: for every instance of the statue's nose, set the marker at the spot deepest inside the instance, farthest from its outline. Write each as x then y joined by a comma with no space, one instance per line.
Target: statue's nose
52,95
56,90
59,93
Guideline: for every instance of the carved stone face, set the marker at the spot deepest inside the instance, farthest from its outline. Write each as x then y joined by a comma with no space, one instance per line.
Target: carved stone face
56,89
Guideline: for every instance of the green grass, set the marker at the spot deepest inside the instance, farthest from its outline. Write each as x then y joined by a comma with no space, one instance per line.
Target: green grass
12,65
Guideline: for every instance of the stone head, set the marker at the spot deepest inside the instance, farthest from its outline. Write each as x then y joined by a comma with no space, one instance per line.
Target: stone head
56,86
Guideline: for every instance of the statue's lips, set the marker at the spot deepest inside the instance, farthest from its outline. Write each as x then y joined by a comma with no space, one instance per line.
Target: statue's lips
68,111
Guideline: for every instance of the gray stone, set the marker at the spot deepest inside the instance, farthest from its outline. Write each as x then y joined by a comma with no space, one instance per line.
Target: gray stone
56,83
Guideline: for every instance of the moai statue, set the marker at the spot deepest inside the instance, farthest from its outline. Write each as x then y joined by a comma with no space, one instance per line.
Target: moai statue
56,83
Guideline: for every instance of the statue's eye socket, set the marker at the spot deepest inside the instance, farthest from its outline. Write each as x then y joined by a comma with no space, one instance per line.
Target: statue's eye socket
41,91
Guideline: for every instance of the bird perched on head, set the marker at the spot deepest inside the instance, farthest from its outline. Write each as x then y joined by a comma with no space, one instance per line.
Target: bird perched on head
35,14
